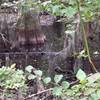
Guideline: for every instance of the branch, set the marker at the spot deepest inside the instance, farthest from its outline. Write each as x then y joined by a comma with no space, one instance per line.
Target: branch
47,90
3,38
38,93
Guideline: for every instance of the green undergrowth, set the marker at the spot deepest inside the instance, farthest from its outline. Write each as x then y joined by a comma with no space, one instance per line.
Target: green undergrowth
86,87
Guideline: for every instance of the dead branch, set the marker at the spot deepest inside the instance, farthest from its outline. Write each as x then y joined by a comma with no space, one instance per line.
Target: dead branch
44,91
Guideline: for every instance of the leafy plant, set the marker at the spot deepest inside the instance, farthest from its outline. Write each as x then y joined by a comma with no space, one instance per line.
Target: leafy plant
10,78
58,78
47,80
57,89
85,86
81,75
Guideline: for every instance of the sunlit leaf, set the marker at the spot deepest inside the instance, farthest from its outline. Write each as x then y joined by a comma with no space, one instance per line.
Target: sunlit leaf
29,68
31,77
38,72
70,11
58,78
13,65
65,84
81,75
47,80
57,91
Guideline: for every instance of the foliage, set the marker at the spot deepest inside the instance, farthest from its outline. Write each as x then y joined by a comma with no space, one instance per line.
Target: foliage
68,8
10,78
86,87
57,90
65,8
81,76
27,5
88,90
57,8
58,78
47,80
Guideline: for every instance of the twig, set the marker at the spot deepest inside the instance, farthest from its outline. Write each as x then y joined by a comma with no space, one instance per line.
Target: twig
3,38
72,83
38,93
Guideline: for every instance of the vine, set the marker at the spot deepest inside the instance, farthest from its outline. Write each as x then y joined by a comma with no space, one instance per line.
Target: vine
85,38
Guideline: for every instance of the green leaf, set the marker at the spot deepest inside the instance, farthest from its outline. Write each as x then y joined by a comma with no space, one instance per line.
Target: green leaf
31,77
47,80
81,75
56,9
29,68
58,78
10,78
57,91
38,72
65,84
70,12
